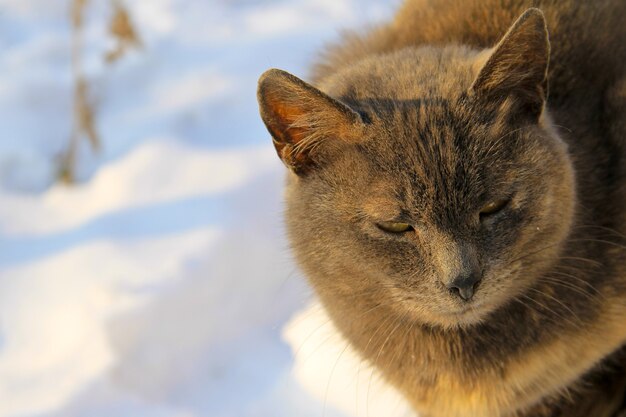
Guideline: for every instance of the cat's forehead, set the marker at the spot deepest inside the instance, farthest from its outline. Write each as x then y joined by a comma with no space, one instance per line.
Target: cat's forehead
420,161
433,156
427,147
420,137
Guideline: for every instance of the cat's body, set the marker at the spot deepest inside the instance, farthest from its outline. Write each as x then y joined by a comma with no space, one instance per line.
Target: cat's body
447,147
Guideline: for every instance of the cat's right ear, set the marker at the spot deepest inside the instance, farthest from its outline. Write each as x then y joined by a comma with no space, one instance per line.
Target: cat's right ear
303,121
518,65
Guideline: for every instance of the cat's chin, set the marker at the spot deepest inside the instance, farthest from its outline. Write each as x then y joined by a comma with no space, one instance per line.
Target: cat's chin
470,315
448,316
466,318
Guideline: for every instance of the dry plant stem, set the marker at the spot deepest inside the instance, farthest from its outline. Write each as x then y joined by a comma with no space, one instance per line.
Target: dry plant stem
84,120
122,30
84,115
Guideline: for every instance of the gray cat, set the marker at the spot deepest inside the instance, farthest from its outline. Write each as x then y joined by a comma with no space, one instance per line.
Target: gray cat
460,207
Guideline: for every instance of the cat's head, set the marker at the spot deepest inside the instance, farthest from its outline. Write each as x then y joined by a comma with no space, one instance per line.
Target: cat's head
429,180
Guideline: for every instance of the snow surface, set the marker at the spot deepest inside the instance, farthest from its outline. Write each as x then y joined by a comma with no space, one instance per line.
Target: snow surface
161,284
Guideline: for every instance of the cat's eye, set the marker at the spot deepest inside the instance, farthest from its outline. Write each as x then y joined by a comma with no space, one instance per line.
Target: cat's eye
394,227
493,207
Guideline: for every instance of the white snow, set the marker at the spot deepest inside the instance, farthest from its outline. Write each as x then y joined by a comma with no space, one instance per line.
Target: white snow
161,284
328,368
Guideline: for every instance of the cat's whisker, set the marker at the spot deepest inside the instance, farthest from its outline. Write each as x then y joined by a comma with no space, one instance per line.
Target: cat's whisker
383,323
535,252
608,242
380,351
539,311
582,259
572,258
379,305
604,228
318,346
306,339
330,377
578,279
556,300
407,332
563,127
565,284
585,269
378,290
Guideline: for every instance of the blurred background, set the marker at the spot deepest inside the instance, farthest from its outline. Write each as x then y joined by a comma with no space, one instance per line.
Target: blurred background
143,265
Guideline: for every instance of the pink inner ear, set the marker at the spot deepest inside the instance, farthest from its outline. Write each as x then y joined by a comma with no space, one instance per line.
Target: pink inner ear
284,135
300,118
283,118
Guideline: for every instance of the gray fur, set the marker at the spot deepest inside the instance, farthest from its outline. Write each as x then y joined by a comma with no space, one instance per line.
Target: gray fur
427,120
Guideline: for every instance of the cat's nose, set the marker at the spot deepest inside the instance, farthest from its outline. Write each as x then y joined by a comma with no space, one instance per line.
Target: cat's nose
465,285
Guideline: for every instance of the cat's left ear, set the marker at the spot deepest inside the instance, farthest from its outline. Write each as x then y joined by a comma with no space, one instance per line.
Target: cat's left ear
518,66
306,125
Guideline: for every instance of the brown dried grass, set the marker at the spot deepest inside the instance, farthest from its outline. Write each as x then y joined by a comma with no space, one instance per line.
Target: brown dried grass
122,30
84,127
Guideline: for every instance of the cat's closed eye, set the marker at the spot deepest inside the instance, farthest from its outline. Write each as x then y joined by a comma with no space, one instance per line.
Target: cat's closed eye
394,227
493,207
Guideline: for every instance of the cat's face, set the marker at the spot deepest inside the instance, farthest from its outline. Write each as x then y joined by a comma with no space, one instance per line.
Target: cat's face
430,188
419,204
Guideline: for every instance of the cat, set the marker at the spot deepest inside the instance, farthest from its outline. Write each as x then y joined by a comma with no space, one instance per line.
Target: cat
456,196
